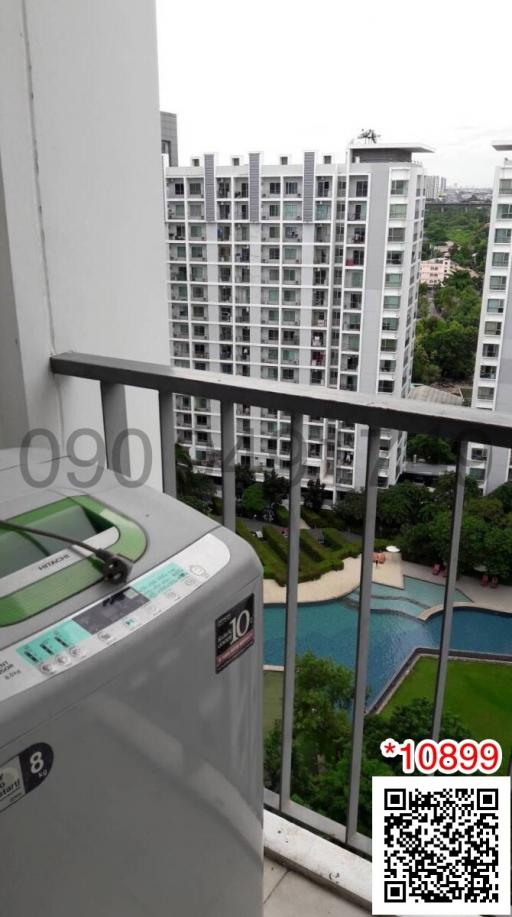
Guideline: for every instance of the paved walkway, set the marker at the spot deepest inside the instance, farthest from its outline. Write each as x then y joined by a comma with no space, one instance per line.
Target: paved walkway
338,582
391,573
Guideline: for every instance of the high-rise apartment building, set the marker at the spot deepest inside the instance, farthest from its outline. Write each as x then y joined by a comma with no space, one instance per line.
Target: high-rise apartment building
435,187
169,135
492,386
299,272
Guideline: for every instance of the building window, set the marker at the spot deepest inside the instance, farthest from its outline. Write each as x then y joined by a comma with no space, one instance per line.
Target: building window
195,188
289,275
492,328
396,234
399,186
327,160
393,280
361,188
291,211
504,212
283,160
496,282
491,351
195,162
273,295
275,187
505,185
386,385
291,187
495,305
500,259
235,161
323,211
290,254
485,393
394,258
502,236
397,211
274,210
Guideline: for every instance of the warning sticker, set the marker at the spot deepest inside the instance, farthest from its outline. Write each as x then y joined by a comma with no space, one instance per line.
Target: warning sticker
234,633
24,773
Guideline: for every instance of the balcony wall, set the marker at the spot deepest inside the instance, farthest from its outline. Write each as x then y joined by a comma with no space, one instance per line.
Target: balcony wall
81,242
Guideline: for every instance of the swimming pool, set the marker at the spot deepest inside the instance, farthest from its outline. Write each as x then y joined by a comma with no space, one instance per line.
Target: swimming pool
330,629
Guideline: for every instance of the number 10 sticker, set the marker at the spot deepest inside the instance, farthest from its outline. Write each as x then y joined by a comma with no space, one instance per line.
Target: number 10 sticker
24,773
234,633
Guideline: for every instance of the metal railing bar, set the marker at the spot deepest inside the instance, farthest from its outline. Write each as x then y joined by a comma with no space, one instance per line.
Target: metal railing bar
228,445
363,629
168,442
115,427
292,589
456,423
449,592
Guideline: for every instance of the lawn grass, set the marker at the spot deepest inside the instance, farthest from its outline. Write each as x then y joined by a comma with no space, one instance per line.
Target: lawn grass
272,699
480,693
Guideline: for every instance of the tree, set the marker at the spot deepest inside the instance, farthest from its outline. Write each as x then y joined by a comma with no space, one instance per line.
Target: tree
314,496
432,449
472,535
350,508
244,477
254,502
497,551
410,721
400,505
275,487
503,493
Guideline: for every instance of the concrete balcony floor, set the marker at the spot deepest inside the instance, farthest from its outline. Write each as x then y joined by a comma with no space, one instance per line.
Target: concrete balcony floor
288,894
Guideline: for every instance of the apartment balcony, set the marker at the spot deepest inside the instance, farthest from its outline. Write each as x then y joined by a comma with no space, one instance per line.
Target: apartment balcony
292,233
375,411
269,355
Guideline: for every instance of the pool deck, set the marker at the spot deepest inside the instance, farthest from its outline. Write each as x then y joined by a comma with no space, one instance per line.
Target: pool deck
391,573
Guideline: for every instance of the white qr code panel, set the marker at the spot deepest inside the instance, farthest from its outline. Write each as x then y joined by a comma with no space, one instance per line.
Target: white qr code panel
441,845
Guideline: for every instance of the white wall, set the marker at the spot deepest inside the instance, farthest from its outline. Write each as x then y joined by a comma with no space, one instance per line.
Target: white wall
81,226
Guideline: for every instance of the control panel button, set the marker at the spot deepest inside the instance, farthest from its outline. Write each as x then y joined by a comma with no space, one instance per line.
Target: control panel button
63,659
190,581
48,668
76,652
105,636
197,570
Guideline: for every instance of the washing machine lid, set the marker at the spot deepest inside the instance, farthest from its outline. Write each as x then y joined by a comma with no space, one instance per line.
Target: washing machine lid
38,572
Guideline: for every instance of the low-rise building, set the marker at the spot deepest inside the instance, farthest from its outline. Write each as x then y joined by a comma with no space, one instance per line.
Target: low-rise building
435,271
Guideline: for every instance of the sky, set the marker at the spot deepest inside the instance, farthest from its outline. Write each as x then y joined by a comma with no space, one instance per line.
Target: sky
282,77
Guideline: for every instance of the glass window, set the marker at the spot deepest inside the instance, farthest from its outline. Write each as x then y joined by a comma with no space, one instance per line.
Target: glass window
399,186
275,187
291,187
289,275
273,295
195,211
393,280
496,282
273,254
504,212
389,324
391,302
505,185
386,385
290,254
396,234
273,232
195,187
485,393
388,344
290,295
394,258
323,211
491,351
274,210
500,259
397,211
492,328
179,210
196,232
502,235
495,305
291,211
181,251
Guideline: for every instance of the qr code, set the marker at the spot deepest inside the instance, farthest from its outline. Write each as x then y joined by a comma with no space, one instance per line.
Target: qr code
441,845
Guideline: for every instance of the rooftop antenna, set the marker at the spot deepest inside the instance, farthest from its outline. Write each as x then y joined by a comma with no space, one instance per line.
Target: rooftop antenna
368,135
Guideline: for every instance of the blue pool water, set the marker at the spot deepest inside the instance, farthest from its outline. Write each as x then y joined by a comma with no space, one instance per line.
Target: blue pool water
330,629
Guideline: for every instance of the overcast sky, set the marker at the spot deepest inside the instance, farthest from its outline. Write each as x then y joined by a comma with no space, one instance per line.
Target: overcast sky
281,77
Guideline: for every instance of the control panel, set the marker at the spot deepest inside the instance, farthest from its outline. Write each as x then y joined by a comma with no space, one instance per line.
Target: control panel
87,632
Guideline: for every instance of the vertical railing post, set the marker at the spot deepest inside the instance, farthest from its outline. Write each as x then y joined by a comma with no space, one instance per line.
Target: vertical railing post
291,608
363,628
449,592
227,426
115,426
167,442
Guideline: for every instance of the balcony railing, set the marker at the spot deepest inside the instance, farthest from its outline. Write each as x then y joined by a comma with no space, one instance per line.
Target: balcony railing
379,413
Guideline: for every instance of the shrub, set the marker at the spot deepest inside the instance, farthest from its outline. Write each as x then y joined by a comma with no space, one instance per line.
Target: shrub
282,515
310,547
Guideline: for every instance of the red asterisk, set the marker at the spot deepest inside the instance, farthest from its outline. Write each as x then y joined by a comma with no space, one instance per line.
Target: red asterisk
389,747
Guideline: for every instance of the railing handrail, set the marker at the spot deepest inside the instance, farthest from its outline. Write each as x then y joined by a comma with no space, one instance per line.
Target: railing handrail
453,422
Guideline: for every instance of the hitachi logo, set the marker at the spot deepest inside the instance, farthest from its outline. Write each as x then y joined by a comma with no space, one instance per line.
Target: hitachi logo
53,561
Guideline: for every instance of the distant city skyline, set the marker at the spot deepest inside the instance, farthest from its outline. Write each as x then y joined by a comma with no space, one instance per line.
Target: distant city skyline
291,83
